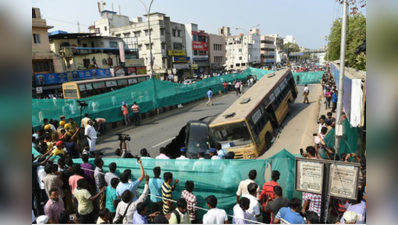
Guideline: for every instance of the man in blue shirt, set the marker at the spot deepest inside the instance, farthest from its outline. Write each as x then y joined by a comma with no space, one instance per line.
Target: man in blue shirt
140,214
125,184
155,187
290,214
334,100
209,96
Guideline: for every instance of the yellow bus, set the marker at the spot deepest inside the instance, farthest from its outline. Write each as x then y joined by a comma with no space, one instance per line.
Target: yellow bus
247,126
87,88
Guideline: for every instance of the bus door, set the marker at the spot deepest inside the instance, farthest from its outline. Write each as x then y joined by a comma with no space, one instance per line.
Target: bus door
268,105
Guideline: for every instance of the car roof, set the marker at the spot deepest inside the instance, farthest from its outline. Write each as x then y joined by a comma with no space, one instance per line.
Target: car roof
198,130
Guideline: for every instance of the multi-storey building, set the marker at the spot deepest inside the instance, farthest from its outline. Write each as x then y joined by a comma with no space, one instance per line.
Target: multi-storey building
167,39
197,42
242,50
45,63
216,53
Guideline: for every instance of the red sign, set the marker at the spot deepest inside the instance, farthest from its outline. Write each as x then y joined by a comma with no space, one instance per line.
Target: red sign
199,46
131,70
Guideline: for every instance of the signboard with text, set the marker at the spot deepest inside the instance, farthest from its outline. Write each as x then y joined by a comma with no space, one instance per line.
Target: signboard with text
309,175
200,46
51,78
177,53
343,180
181,59
134,62
141,70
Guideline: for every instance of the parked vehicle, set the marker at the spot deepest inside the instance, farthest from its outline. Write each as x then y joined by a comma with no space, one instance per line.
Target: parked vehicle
197,138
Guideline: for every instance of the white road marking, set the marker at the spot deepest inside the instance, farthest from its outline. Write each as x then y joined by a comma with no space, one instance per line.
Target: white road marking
163,142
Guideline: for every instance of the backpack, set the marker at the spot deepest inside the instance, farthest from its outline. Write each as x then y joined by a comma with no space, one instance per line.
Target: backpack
177,216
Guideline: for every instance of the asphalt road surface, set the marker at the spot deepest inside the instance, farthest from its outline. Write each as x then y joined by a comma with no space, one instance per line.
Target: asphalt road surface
160,131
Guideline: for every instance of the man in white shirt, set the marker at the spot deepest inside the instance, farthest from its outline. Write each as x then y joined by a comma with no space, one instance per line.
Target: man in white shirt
305,94
214,215
242,189
183,154
91,135
254,210
183,161
240,214
200,165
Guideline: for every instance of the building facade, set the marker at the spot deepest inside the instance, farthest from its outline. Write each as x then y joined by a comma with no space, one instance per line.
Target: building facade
44,61
268,50
216,53
243,50
167,40
84,51
289,39
197,42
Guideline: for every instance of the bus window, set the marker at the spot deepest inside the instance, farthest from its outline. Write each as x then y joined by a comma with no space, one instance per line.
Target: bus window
82,87
122,83
141,79
237,133
70,93
132,81
89,87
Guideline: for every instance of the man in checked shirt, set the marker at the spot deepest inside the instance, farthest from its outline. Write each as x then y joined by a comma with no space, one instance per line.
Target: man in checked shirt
191,201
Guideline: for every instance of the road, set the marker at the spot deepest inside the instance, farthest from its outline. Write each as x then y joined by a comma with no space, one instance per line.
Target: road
159,131
300,125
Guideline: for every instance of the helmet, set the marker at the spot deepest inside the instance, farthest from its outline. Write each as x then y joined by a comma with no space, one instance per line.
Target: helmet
47,127
67,126
62,123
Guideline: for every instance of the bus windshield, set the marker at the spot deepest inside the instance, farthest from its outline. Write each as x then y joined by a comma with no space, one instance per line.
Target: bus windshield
237,133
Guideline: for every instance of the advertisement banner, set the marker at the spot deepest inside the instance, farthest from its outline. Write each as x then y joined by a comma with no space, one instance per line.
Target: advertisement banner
121,52
134,62
131,70
177,53
181,59
181,66
141,70
194,66
200,46
51,78
89,74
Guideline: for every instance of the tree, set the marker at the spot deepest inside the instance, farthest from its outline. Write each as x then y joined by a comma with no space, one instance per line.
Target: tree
356,35
289,48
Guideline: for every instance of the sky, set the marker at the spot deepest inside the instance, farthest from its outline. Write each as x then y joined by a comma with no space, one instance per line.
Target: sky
306,20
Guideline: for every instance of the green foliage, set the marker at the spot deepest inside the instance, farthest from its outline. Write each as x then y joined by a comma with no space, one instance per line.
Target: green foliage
356,34
290,47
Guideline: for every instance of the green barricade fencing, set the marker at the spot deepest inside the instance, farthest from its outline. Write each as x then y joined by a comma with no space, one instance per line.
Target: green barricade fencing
211,177
108,105
308,77
349,140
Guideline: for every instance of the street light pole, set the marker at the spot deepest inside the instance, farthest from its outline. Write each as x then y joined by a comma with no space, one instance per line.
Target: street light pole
150,35
341,78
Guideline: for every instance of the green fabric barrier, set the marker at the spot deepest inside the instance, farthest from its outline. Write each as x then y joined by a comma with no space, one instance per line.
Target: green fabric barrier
108,105
349,140
213,177
284,162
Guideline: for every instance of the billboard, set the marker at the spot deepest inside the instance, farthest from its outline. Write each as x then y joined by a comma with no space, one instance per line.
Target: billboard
200,46
176,53
51,78
89,74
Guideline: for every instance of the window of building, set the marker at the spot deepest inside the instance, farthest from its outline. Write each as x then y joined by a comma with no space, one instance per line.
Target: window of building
161,31
105,28
113,44
147,46
137,33
118,35
36,38
179,33
195,52
147,32
97,30
177,46
140,47
42,66
163,46
195,37
33,13
86,62
174,32
240,58
126,35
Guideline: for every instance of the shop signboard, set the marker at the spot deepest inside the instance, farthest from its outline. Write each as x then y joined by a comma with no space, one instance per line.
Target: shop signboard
141,70
181,59
93,73
200,46
51,78
177,53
